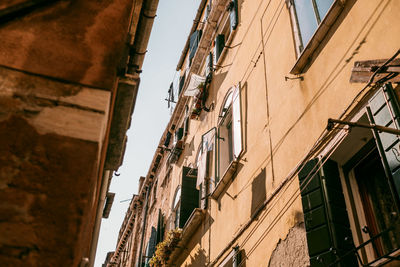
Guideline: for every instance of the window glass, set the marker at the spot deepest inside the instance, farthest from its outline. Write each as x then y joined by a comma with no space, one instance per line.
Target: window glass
177,198
323,7
306,19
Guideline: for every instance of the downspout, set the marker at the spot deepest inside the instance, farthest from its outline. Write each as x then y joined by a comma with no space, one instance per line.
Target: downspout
139,261
141,39
99,213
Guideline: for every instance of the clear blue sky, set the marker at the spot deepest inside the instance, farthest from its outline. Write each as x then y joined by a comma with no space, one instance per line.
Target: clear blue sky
170,31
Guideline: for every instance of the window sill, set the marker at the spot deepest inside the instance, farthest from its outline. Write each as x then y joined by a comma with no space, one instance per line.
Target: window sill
230,171
306,55
188,230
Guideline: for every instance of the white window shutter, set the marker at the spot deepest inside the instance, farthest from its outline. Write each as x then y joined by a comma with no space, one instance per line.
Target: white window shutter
236,123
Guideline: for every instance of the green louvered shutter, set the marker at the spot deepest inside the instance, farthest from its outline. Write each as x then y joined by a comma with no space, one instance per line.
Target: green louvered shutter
209,64
219,46
181,82
189,195
233,14
325,216
160,227
384,110
151,245
194,43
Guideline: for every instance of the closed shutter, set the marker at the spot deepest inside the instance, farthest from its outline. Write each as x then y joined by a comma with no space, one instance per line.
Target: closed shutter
219,46
194,43
233,14
325,216
236,123
384,110
189,195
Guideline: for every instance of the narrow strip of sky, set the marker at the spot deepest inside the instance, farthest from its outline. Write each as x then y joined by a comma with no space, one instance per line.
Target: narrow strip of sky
170,31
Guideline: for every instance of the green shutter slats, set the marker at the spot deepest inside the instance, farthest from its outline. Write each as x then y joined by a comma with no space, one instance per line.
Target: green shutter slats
325,214
179,133
182,82
219,46
194,43
383,109
189,195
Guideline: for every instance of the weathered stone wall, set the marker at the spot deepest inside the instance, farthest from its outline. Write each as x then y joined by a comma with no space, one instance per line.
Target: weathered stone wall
291,251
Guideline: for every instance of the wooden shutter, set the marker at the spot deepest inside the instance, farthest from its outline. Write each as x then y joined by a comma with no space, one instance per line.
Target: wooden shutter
167,139
209,64
189,195
236,122
325,216
181,82
151,245
219,46
179,133
233,14
160,227
384,110
194,42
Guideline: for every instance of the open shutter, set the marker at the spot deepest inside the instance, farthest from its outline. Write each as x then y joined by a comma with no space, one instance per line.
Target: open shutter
328,230
182,82
236,123
194,43
219,46
209,64
189,195
233,14
384,110
151,246
160,227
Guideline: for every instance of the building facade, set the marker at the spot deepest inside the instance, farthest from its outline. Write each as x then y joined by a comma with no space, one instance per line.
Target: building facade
69,75
282,149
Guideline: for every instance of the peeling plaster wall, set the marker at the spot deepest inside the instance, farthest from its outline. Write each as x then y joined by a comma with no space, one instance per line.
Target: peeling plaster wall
291,251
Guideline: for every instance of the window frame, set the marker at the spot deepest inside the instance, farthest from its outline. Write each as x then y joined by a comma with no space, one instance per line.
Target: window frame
304,56
227,116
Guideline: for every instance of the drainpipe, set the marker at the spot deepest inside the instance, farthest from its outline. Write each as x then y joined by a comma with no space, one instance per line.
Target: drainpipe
142,36
99,213
139,262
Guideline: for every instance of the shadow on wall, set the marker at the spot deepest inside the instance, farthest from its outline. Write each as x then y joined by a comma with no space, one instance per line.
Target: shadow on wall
258,190
198,260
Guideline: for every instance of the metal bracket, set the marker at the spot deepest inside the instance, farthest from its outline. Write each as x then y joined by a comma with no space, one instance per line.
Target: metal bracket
331,124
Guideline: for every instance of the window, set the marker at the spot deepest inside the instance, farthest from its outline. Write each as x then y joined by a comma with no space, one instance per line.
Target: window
206,165
228,25
194,43
229,131
351,197
308,15
176,207
234,259
186,198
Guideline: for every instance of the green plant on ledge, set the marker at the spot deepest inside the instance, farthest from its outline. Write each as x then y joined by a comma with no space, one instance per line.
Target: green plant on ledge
165,248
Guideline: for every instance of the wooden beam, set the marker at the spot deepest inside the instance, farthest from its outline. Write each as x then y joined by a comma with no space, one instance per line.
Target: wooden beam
363,70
